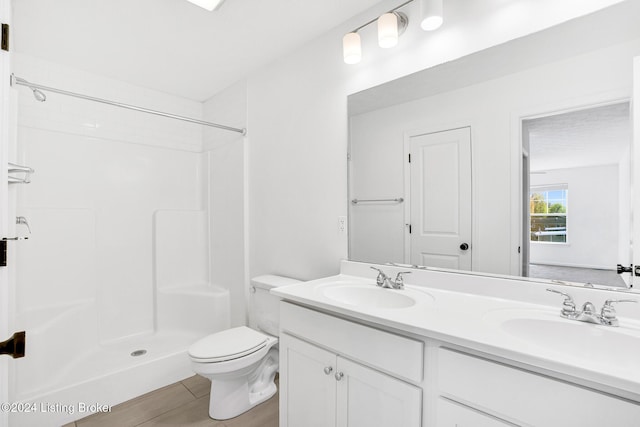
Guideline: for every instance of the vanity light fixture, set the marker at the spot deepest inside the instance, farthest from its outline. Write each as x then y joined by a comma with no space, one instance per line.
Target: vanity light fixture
431,13
390,26
210,5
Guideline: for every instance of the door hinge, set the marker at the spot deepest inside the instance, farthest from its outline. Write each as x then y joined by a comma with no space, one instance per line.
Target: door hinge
15,345
5,37
3,253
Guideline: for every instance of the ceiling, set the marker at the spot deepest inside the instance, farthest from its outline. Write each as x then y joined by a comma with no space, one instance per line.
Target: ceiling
594,136
172,45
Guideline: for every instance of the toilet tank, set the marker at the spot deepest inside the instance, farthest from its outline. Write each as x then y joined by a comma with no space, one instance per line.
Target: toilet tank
264,308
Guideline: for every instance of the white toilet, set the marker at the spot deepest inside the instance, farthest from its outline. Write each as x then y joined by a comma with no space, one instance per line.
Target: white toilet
242,362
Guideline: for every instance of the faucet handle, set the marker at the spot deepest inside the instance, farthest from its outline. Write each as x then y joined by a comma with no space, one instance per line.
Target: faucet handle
568,306
382,278
608,313
20,220
400,280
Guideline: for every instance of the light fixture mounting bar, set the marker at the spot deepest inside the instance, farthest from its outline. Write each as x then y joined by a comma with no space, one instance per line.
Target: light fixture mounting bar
375,19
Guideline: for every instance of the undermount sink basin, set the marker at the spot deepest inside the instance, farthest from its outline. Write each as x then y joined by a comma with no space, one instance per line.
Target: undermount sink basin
541,328
368,295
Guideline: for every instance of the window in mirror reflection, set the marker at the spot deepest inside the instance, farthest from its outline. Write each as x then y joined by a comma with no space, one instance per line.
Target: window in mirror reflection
548,208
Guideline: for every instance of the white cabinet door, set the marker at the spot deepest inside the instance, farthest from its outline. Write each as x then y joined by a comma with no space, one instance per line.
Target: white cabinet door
307,384
320,389
369,398
451,414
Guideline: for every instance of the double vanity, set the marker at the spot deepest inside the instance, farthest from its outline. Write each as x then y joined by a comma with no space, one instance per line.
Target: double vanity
449,349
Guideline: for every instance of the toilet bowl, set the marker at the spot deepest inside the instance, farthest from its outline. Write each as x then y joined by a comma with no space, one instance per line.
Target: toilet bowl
242,362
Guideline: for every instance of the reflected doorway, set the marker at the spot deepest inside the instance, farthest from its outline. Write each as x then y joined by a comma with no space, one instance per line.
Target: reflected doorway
576,194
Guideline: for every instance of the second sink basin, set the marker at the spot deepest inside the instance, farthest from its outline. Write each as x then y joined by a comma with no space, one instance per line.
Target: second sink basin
540,328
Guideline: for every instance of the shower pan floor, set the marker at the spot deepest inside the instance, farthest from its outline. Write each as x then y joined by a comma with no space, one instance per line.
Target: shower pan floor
112,357
106,375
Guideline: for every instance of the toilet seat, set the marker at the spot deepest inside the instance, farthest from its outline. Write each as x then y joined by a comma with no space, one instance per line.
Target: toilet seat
228,345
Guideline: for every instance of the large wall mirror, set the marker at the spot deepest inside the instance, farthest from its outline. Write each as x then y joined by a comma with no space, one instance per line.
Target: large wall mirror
515,160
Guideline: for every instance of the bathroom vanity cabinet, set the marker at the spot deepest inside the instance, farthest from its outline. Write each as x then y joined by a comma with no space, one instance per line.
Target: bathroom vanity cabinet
338,372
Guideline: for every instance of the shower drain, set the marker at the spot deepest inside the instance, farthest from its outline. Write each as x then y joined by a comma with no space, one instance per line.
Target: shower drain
138,353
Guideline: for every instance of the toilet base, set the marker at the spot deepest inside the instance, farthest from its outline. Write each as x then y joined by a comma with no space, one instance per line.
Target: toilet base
231,397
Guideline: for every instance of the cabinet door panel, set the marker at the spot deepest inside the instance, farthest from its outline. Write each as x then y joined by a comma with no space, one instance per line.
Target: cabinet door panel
369,398
307,393
451,414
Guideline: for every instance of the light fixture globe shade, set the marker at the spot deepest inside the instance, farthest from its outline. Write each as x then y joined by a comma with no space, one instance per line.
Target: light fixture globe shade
351,48
431,12
431,23
210,5
387,30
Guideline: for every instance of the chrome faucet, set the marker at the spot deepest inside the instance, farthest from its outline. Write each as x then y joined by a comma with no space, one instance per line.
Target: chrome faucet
385,281
606,317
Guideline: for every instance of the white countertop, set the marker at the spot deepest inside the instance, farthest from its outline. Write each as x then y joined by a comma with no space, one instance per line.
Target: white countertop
477,322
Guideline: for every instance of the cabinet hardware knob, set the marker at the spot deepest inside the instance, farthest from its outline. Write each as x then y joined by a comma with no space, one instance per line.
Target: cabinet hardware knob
328,370
339,376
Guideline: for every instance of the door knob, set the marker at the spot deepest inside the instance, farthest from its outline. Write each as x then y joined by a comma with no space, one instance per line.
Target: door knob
464,246
339,376
328,370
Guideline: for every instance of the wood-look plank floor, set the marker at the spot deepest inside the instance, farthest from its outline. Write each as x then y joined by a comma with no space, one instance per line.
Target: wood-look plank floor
185,403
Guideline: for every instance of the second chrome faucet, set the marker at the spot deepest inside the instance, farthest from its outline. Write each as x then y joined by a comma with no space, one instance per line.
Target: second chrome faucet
385,281
606,317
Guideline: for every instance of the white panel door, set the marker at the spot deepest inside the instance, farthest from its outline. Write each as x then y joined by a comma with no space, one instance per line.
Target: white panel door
635,226
5,17
440,180
307,384
369,398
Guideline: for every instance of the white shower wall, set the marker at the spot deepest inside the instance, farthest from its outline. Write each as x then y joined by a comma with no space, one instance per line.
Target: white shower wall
120,252
227,153
101,174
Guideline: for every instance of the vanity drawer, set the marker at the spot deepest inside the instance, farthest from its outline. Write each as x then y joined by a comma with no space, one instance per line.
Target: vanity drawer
395,354
523,397
452,414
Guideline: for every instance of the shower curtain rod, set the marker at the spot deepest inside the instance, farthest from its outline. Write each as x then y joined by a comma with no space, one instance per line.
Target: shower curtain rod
15,80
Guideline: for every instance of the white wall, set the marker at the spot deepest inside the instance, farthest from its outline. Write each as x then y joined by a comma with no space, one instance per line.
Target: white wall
489,108
593,218
298,123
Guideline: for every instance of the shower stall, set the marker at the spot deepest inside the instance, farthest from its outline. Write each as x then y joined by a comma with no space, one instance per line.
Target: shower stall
114,281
